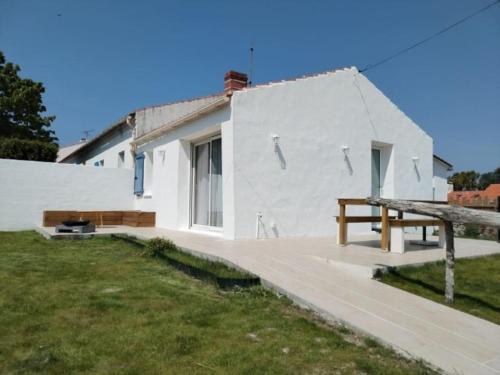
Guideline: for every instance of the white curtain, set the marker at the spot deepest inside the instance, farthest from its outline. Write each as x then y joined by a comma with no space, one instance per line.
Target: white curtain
216,184
201,187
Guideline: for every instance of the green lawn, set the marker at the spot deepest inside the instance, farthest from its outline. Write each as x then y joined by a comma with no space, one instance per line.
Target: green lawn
477,284
97,306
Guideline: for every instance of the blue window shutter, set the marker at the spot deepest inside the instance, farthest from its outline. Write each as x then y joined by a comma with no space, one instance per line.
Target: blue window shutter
139,174
96,164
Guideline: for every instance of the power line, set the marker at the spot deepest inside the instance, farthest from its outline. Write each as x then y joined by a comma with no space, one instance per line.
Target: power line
371,66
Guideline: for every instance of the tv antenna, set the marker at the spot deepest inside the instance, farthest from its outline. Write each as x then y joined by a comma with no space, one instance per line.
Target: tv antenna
86,133
250,73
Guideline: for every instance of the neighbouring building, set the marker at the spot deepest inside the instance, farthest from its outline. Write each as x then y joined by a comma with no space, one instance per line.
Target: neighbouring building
475,197
110,148
69,149
270,160
440,185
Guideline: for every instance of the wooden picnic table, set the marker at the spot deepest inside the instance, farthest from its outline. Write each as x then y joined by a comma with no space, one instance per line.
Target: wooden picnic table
392,227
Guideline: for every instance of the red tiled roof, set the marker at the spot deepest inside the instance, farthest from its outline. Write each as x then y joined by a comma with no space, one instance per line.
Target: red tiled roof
491,191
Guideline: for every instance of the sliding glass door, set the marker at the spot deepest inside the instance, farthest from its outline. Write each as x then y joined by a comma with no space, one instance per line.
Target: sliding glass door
207,184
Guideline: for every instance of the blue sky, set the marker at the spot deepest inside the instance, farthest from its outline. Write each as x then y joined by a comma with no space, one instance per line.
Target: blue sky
101,59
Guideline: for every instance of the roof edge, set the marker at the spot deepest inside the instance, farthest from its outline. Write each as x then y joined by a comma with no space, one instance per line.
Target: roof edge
109,129
169,126
450,166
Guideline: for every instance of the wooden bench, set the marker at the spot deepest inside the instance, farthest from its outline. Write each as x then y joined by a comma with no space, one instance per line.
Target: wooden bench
392,228
343,220
396,229
100,218
138,219
342,229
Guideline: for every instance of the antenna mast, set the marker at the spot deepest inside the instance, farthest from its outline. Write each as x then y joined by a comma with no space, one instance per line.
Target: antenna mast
250,73
86,134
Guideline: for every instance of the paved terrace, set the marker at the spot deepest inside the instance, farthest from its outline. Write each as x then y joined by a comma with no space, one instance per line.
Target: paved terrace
336,282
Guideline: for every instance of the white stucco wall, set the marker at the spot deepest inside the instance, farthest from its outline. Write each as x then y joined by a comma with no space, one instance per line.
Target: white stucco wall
296,186
107,149
170,193
28,188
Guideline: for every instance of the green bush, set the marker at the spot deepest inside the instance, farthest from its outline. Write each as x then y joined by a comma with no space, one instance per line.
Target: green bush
24,149
157,247
471,231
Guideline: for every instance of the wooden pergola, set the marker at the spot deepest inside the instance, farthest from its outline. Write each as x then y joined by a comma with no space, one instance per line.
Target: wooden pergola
396,223
444,215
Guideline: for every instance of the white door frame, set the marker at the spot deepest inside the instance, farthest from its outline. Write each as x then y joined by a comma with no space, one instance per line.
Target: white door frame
376,210
192,225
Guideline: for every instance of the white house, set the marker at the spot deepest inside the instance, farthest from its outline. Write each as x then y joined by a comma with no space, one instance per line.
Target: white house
110,148
270,160
69,149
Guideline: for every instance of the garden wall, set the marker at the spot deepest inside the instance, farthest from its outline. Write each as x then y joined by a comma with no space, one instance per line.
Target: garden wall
27,188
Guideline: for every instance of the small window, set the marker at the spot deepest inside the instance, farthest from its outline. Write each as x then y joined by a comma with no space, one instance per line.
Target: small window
139,174
99,163
121,159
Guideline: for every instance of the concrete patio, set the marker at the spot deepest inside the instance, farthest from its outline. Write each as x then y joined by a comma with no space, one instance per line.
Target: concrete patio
336,282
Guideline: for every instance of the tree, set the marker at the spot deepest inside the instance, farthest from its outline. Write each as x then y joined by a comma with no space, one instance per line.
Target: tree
489,178
471,180
467,180
21,107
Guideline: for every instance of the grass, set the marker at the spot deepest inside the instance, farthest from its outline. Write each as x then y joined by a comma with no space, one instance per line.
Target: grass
216,268
96,306
477,284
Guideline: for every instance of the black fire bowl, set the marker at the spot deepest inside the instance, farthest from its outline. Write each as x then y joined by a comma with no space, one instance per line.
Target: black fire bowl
76,223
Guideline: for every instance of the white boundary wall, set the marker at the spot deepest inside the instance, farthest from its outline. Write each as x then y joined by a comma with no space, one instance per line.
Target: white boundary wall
28,188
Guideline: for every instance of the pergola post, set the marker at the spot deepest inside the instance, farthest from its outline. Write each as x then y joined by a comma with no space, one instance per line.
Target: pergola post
450,262
448,214
342,229
384,241
498,210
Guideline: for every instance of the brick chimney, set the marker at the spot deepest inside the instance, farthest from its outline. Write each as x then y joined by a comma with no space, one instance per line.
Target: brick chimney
234,81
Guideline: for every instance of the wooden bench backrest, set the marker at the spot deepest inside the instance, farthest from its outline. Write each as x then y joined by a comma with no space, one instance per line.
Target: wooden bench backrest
130,218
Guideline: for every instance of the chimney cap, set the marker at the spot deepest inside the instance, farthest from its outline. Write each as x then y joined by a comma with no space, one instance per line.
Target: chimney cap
232,74
234,81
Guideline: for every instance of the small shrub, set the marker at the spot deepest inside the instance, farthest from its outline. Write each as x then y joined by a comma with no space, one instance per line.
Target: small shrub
157,247
471,231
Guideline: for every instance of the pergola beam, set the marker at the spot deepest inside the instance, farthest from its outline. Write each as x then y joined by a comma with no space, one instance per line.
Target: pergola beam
449,214
455,214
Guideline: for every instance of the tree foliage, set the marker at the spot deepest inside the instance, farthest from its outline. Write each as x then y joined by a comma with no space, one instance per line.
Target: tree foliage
467,180
489,178
472,180
21,108
27,149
